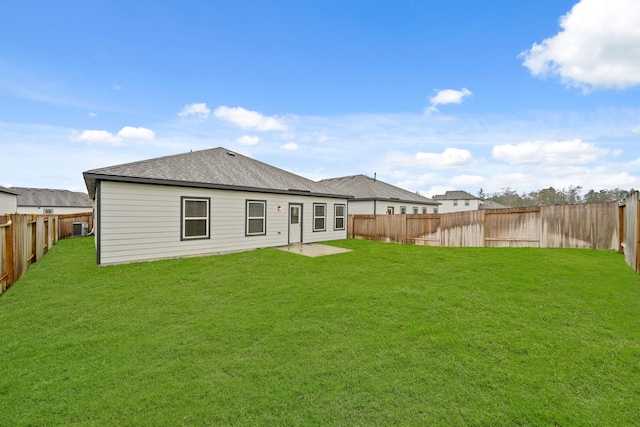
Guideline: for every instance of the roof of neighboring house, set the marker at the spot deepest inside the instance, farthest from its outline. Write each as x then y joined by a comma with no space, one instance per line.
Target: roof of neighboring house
490,204
362,187
51,198
8,191
455,195
216,168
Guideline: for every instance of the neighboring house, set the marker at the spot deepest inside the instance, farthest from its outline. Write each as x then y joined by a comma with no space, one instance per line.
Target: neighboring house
8,201
457,201
207,202
372,196
48,201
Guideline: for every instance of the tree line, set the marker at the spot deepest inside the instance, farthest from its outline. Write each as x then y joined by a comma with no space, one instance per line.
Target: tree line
551,196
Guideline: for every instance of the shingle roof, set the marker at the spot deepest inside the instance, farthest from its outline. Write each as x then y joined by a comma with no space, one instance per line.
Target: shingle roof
51,198
490,204
8,191
455,195
362,187
213,168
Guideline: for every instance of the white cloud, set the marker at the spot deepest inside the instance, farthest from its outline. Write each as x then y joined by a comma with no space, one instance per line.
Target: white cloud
248,140
552,152
96,137
92,115
137,133
246,119
107,138
449,158
198,110
116,87
636,129
598,46
290,146
446,96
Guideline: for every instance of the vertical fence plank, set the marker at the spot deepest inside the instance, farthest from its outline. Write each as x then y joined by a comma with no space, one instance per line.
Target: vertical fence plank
631,238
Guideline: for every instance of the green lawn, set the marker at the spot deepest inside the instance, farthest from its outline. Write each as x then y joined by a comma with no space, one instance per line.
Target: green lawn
384,335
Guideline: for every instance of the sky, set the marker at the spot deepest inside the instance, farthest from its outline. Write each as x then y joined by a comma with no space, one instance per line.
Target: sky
428,95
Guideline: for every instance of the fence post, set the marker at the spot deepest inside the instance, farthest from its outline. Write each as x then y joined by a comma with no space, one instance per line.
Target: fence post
9,249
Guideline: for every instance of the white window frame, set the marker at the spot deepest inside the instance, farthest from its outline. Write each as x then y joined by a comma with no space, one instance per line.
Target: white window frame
336,216
455,203
466,202
403,210
424,210
263,217
324,217
184,218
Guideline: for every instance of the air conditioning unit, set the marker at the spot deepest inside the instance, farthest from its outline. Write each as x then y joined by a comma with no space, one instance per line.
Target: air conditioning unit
80,229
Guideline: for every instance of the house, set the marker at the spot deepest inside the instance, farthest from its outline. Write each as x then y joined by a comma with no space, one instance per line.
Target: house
372,196
457,201
8,201
49,201
207,202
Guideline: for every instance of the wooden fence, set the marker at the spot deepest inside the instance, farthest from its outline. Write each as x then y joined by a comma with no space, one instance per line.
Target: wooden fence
594,226
630,230
24,239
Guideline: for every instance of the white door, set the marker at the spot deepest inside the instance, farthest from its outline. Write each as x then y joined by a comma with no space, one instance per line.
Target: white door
295,224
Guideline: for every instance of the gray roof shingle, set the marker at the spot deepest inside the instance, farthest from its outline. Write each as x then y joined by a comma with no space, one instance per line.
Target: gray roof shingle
51,198
213,168
362,187
8,191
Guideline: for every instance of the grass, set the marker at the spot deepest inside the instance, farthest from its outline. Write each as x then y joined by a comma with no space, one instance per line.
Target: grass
384,335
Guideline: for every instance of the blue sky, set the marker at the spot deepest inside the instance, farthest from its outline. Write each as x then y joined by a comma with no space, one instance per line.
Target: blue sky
431,96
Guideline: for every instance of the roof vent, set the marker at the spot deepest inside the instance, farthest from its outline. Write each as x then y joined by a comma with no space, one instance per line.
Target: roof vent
231,153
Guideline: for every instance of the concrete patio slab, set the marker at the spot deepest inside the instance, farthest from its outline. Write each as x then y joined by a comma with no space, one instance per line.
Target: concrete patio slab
313,249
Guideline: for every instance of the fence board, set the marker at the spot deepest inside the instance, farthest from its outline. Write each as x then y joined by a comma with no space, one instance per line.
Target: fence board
463,229
423,230
631,237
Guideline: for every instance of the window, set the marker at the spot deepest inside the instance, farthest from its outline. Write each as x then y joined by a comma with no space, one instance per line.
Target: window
319,216
466,202
256,217
390,210
415,210
195,215
424,210
455,203
435,210
338,217
47,210
403,210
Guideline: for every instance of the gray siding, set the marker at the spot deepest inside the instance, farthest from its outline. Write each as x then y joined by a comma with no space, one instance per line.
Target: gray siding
8,203
141,222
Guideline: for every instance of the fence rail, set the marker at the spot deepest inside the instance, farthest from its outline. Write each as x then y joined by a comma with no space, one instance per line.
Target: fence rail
24,239
563,226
